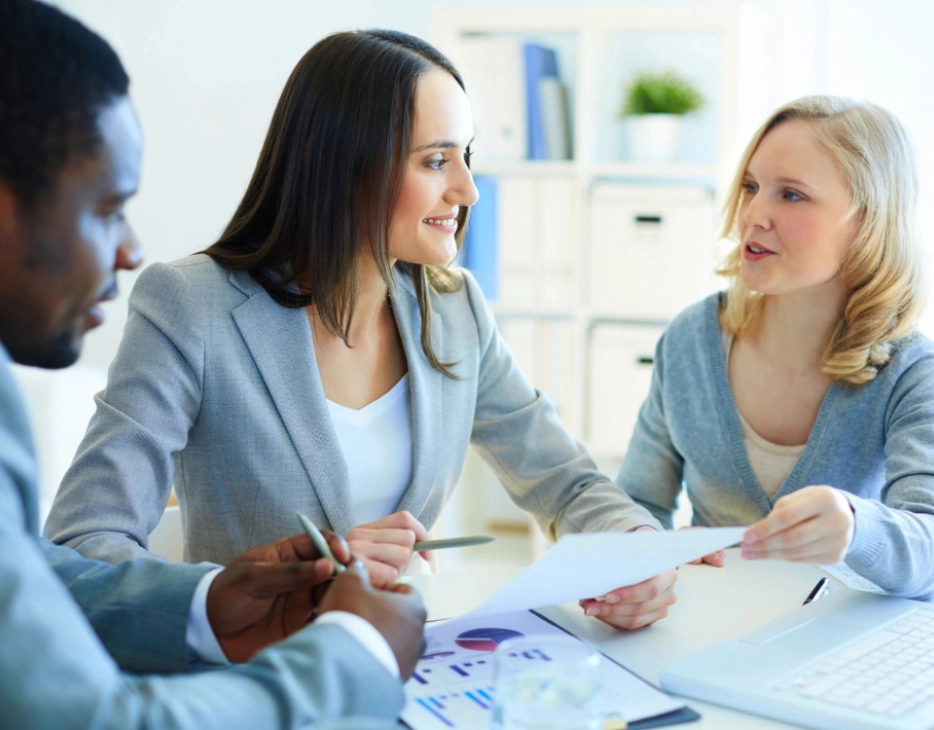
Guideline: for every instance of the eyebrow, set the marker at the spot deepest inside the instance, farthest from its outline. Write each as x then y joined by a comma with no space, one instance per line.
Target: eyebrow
792,181
781,180
441,144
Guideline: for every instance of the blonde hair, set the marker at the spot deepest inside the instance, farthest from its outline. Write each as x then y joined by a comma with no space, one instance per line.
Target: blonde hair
882,271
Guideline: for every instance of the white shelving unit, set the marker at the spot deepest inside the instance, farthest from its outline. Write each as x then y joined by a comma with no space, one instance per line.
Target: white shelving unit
560,328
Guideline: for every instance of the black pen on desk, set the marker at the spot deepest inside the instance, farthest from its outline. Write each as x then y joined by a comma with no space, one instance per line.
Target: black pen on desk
818,590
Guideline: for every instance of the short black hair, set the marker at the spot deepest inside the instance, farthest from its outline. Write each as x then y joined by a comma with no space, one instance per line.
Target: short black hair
56,76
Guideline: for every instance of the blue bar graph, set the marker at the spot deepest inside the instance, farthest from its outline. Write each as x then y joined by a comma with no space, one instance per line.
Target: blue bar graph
470,706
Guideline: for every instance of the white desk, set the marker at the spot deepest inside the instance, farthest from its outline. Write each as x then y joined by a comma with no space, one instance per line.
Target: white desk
713,604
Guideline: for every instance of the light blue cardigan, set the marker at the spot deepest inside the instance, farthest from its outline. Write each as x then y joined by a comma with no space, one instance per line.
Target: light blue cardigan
876,442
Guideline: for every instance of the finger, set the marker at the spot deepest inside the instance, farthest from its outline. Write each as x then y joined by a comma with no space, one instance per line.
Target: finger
647,590
400,520
380,573
798,536
339,547
295,547
630,623
603,609
395,556
382,536
787,512
717,559
270,579
400,588
357,570
823,552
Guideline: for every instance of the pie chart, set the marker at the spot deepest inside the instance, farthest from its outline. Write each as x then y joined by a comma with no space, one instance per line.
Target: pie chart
484,639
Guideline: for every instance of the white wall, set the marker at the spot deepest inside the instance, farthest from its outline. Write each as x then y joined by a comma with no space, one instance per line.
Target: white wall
205,78
206,75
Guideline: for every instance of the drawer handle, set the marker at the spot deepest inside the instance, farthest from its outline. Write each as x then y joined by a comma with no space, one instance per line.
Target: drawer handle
643,360
656,219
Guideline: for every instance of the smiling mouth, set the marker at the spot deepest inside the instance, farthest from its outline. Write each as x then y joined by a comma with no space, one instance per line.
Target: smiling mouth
756,249
443,222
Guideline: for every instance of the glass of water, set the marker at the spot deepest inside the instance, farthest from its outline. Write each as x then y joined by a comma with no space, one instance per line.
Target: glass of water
546,683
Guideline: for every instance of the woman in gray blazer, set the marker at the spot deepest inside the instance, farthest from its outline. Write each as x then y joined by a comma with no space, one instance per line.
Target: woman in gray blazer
323,356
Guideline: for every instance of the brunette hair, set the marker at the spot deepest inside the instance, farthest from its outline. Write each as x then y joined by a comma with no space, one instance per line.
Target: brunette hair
882,270
328,179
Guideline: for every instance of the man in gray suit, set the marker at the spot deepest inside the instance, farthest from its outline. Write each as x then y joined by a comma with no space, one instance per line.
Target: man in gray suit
69,159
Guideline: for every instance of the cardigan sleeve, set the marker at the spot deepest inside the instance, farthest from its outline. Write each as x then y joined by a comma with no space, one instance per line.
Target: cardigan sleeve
894,538
115,491
652,469
517,431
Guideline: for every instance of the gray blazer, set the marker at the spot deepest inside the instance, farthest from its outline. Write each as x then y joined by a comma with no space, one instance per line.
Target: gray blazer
215,385
69,625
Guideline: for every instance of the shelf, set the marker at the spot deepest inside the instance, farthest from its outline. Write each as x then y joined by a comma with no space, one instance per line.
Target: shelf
527,168
683,172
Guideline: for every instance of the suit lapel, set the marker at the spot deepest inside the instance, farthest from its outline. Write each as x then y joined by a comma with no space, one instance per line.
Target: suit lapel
279,339
425,384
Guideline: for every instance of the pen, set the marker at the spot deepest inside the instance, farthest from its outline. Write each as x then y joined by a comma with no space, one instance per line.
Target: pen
453,542
319,542
818,590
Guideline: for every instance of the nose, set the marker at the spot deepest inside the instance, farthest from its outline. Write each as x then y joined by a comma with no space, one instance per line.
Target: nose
129,252
463,192
755,211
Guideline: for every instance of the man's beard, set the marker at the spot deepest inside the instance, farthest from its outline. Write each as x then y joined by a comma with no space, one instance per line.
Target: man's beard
51,353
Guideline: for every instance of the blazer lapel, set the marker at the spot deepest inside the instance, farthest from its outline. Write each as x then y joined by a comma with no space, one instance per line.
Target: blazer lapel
279,339
425,387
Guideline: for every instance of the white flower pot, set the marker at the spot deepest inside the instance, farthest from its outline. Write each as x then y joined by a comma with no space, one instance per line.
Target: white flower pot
653,138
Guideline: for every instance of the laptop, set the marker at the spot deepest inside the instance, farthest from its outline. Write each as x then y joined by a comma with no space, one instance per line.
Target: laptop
851,660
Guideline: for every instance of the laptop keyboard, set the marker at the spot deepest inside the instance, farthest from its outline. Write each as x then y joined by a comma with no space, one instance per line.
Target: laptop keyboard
887,672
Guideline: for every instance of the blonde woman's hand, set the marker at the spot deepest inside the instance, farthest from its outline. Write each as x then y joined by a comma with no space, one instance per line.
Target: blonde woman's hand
385,545
635,606
812,525
716,558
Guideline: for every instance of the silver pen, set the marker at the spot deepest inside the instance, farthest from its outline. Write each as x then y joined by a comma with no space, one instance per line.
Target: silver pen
319,542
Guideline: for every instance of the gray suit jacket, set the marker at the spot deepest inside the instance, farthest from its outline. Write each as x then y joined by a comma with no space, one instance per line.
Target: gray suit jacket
216,386
61,669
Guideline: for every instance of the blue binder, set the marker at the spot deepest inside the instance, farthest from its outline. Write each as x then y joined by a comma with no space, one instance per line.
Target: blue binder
480,251
540,62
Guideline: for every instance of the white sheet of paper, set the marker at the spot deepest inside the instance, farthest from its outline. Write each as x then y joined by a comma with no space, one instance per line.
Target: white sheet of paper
452,686
587,565
851,579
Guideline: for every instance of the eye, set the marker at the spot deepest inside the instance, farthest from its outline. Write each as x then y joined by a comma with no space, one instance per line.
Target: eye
750,188
437,164
468,153
792,196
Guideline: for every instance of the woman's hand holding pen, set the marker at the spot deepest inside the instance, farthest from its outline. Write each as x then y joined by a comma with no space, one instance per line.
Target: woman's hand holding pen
385,545
812,525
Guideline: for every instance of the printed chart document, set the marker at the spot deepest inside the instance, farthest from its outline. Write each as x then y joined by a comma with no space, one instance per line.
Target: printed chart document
453,682
587,565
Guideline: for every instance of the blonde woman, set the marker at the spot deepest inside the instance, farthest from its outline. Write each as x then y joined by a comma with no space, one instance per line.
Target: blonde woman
801,400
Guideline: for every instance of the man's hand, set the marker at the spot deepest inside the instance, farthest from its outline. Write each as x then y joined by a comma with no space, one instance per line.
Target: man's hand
269,593
395,610
635,606
385,545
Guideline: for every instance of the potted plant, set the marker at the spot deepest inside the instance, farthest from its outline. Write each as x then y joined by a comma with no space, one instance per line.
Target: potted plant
654,107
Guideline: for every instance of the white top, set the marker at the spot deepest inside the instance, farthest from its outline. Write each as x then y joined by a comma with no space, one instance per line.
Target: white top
376,442
771,463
